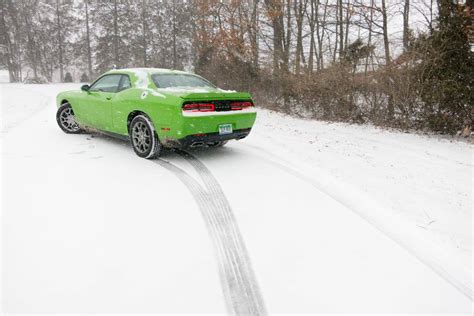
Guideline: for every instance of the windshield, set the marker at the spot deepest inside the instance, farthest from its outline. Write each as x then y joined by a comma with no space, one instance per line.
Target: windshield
179,80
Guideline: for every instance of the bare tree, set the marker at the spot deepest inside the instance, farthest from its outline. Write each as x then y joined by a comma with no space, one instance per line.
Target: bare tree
320,32
275,12
116,36
406,17
10,43
299,7
312,16
60,42
369,39
144,32
341,28
173,33
386,42
88,40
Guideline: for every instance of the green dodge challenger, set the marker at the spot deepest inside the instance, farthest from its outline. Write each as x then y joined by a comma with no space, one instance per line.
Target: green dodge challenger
157,108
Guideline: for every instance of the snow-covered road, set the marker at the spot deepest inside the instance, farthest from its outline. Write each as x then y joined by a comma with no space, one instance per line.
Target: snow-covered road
303,216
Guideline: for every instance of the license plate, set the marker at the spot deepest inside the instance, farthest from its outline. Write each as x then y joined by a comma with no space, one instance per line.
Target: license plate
225,129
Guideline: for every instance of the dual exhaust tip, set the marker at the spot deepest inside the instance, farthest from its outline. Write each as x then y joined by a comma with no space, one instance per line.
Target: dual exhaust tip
210,144
197,144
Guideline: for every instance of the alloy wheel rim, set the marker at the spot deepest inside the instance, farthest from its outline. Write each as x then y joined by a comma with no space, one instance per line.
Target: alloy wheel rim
141,137
67,120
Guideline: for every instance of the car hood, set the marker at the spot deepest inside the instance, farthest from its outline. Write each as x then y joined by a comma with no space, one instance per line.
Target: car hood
192,93
75,91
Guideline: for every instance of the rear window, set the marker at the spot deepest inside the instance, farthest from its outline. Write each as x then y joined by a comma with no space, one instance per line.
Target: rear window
179,80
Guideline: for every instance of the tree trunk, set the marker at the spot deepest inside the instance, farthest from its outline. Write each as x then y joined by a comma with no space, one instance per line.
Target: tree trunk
60,43
144,28
275,11
6,42
386,42
431,16
299,14
286,60
406,17
369,40
254,34
311,40
88,42
175,61
336,40
320,35
116,36
31,47
341,29
348,18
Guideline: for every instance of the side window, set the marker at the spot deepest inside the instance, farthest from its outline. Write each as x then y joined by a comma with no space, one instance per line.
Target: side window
125,83
108,83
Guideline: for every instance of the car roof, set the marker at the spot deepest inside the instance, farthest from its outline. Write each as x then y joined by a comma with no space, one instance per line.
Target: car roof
138,71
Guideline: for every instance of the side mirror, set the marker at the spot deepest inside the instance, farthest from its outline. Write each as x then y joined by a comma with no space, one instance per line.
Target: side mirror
85,87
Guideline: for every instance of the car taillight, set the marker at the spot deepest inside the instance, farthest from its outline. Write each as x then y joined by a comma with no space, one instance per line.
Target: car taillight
198,107
235,106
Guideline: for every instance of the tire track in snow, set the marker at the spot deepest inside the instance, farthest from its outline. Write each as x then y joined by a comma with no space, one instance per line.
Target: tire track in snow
6,127
240,288
435,262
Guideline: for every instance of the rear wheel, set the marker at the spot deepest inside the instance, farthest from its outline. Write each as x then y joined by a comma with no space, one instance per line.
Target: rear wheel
66,121
145,143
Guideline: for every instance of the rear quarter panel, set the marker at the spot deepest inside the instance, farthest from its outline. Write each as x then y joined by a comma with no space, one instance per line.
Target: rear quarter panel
164,111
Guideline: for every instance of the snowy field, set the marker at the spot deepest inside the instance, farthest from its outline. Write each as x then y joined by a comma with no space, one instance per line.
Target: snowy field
315,217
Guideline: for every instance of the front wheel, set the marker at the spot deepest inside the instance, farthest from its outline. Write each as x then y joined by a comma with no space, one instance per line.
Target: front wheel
66,121
145,143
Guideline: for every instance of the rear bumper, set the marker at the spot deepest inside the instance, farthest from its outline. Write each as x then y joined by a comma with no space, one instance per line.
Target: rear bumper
209,138
209,124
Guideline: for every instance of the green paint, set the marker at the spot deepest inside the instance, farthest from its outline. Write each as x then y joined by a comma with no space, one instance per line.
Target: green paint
110,111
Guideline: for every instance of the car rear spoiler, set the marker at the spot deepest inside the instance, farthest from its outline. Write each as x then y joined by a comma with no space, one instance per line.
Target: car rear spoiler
216,95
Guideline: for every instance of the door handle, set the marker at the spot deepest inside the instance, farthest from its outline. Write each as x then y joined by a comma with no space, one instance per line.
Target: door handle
108,98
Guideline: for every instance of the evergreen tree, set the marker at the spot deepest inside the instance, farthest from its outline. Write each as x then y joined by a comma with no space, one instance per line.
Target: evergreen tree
68,77
84,77
446,72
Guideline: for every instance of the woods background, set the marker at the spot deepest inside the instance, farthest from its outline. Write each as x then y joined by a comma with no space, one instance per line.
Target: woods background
340,60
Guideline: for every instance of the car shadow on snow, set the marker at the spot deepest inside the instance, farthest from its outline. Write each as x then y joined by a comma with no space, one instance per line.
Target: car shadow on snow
208,153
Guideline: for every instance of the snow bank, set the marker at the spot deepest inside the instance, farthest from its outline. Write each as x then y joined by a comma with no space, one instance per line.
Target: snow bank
418,189
4,77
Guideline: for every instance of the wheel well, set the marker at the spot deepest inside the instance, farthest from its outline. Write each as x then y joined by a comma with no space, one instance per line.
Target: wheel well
132,115
64,101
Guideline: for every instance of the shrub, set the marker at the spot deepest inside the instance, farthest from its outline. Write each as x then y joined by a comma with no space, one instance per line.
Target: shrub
68,77
445,69
84,77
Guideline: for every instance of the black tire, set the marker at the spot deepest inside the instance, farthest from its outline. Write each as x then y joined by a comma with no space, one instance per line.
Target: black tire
66,121
143,137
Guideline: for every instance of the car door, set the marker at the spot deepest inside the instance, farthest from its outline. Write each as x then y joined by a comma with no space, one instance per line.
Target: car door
121,99
99,102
